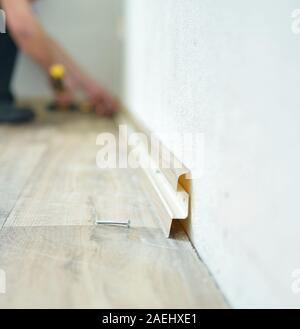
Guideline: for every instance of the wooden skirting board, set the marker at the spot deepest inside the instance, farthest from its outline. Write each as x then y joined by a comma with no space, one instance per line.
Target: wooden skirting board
167,174
165,178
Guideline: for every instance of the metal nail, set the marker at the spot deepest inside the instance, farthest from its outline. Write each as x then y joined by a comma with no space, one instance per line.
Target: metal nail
101,222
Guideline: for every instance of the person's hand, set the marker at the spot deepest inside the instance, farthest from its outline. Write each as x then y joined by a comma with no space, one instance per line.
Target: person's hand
64,98
99,98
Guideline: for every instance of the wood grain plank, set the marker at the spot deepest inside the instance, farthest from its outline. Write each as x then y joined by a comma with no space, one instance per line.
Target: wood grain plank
17,165
102,267
53,254
67,188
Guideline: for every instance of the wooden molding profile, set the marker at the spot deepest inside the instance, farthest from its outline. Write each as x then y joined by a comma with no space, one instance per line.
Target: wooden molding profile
165,173
166,181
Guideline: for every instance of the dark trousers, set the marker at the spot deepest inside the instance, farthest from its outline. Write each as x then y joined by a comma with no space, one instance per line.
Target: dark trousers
8,56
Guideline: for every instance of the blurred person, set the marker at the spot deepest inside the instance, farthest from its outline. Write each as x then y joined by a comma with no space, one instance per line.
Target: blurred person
25,32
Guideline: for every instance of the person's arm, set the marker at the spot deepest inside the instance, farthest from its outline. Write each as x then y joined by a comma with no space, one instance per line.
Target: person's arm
30,36
76,78
27,31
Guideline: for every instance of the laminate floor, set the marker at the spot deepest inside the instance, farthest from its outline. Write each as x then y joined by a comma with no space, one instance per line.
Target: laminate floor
53,255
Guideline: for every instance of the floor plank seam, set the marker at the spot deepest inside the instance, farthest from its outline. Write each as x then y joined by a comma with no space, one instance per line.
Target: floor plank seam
201,260
24,186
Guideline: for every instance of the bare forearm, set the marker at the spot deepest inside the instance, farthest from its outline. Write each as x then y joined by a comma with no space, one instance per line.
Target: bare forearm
76,77
35,41
37,47
28,32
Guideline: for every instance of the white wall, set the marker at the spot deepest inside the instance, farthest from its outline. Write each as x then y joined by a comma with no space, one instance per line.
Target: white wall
89,31
231,70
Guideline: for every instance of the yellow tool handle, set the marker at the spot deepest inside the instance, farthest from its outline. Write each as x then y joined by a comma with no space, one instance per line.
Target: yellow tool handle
57,73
